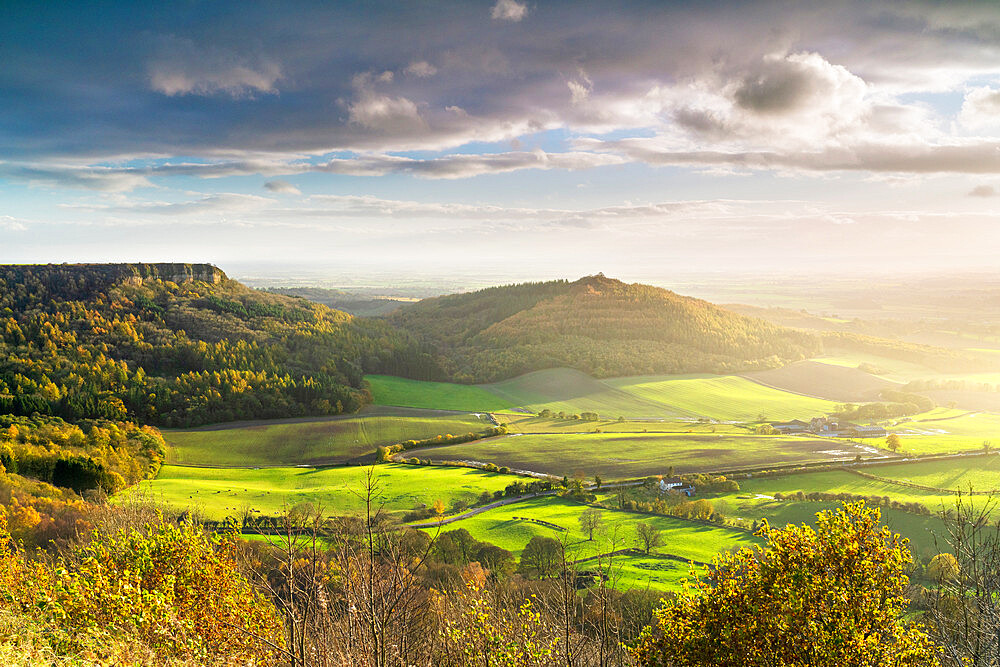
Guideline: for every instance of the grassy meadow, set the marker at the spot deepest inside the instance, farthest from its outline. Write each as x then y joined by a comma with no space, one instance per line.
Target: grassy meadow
311,441
624,455
220,492
727,398
390,390
980,473
570,391
505,526
948,430
719,397
520,423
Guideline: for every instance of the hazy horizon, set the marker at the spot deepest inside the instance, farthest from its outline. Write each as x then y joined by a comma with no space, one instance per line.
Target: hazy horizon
517,140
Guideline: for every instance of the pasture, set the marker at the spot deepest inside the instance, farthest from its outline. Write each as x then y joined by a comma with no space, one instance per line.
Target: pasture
723,397
311,441
390,390
948,430
519,423
570,391
980,473
505,526
668,397
624,455
925,533
220,492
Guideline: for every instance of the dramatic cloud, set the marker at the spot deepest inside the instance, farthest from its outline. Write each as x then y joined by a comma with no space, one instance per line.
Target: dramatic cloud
183,68
282,187
508,10
546,113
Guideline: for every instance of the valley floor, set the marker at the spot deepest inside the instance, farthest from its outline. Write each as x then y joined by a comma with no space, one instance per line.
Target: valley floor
646,426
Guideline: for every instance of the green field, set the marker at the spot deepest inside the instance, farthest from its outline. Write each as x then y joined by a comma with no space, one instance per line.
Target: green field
723,397
617,456
646,572
505,526
311,441
570,391
945,430
981,473
518,423
390,390
927,534
221,492
720,397
840,481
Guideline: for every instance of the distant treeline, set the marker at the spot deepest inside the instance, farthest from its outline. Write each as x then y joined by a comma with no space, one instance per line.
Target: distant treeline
895,404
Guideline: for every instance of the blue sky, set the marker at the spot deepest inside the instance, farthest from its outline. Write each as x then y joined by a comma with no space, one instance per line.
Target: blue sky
544,138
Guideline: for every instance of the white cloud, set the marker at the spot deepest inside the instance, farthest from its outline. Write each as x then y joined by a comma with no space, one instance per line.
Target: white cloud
580,88
282,187
981,108
102,179
185,68
375,207
509,10
421,69
383,113
214,206
972,157
10,224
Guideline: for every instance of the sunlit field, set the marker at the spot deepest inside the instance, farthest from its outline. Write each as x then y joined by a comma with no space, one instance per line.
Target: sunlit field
303,441
616,456
219,492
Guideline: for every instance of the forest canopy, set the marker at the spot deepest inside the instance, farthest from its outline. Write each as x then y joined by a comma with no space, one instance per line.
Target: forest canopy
128,343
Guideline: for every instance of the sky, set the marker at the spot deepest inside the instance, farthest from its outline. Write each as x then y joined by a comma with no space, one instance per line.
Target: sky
530,139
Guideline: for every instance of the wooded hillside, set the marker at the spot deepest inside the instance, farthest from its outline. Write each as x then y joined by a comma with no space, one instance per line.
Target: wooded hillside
179,345
598,325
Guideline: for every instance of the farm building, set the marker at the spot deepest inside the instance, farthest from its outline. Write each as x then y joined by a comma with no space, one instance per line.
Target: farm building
870,431
824,425
676,485
794,426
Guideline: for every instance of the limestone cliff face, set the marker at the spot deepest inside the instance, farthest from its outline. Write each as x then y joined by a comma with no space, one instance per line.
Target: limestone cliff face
136,274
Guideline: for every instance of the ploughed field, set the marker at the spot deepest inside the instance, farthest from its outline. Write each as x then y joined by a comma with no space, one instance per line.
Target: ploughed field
625,455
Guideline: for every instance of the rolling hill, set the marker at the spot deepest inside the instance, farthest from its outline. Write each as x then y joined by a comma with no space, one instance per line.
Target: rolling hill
597,325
